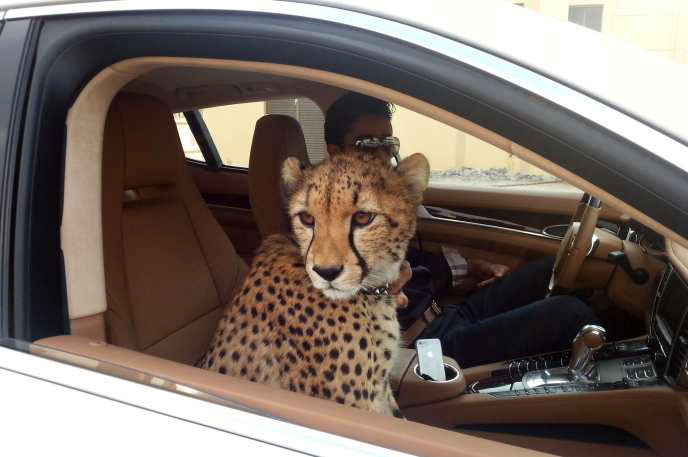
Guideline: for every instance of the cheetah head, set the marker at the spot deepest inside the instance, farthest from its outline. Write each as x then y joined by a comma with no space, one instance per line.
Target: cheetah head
353,217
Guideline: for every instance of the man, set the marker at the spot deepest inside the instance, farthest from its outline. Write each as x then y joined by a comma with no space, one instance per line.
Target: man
505,314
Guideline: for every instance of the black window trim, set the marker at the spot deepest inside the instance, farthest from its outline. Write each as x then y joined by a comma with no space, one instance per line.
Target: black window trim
204,140
17,55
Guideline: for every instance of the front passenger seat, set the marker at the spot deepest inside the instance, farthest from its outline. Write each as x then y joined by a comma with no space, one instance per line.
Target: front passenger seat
169,267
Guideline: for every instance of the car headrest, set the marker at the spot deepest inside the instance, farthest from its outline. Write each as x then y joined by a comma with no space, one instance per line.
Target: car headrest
275,138
148,138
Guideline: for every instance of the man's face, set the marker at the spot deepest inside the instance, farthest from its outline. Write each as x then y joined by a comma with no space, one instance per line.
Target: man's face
365,126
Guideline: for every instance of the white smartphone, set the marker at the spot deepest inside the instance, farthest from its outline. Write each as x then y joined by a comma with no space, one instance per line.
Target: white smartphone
430,361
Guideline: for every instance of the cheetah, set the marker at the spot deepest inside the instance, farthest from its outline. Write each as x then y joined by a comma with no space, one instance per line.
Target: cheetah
309,317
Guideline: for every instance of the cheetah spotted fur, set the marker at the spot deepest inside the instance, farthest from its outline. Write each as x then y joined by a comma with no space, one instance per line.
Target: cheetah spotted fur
291,327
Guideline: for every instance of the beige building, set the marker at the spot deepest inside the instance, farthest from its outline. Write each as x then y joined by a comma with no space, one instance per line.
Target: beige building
659,26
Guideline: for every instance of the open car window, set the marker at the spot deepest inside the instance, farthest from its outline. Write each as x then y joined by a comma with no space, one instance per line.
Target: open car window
459,159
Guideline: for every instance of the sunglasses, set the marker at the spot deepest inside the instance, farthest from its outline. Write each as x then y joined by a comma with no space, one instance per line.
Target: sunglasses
390,144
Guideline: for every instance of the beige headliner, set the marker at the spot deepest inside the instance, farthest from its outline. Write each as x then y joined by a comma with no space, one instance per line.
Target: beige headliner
81,231
188,87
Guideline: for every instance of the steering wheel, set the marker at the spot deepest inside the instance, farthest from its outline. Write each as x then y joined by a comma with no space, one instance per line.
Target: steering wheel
578,242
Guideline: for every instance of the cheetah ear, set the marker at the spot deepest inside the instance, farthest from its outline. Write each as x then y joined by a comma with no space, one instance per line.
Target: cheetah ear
415,170
292,173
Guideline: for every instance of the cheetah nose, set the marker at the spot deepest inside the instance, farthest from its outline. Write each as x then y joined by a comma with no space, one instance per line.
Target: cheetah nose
328,273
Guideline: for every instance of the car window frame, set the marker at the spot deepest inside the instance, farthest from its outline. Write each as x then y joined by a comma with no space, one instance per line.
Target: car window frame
204,139
18,41
72,47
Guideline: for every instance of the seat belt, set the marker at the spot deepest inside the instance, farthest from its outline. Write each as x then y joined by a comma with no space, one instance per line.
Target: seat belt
412,333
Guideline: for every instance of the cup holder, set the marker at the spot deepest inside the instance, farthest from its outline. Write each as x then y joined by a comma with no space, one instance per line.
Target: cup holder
449,372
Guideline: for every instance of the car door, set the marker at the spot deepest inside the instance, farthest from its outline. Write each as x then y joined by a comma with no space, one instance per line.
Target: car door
71,52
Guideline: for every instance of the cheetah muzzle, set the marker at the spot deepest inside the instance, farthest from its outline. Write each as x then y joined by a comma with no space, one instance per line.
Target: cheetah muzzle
301,320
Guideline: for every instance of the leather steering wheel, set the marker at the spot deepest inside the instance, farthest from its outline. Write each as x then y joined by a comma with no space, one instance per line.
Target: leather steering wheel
575,246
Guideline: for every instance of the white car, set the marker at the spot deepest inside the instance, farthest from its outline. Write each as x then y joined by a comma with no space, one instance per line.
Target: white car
119,249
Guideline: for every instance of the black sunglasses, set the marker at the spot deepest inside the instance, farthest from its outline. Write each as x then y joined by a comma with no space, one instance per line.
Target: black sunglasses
390,144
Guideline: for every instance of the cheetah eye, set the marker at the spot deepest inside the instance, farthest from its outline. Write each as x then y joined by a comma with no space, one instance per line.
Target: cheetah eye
306,219
362,218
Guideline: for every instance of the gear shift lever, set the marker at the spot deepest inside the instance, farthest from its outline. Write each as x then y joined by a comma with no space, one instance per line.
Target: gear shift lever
588,340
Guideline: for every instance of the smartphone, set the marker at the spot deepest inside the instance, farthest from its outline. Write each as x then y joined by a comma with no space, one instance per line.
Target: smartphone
430,361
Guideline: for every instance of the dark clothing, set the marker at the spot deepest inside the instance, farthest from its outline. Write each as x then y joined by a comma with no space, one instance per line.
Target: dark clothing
508,319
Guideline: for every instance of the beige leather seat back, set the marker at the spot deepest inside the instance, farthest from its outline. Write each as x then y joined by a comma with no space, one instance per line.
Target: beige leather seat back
275,138
170,269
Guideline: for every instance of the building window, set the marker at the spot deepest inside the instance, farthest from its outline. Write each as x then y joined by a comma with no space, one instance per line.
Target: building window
589,16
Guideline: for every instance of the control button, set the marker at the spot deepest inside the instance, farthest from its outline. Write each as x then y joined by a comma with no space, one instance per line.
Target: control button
522,367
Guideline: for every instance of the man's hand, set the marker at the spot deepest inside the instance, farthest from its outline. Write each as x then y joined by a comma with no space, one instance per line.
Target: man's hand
485,273
396,286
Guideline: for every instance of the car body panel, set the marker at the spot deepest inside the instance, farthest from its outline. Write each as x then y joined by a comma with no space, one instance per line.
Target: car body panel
146,414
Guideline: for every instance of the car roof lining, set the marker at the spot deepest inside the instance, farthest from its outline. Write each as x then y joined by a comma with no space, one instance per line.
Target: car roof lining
81,230
185,88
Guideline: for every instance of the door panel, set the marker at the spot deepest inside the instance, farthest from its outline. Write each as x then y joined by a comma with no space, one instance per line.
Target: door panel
500,246
532,205
501,224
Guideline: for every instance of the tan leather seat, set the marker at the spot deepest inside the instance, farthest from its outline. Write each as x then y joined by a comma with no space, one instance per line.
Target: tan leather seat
275,138
169,266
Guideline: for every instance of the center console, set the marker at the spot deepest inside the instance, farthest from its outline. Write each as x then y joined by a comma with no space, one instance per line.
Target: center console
621,365
593,365
617,385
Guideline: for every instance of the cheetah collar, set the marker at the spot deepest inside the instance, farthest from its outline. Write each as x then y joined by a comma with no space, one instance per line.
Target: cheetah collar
376,291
